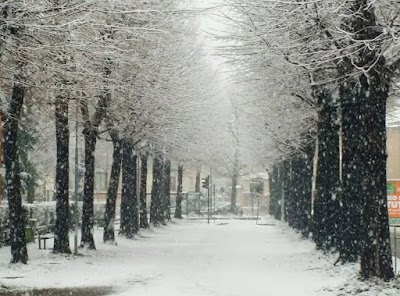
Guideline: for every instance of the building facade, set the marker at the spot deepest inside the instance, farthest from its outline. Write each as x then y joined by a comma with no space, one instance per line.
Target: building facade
393,150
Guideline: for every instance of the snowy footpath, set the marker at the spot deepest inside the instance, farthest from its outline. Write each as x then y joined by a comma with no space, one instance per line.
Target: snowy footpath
229,258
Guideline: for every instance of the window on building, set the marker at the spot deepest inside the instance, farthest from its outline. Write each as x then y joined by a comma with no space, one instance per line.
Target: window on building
100,181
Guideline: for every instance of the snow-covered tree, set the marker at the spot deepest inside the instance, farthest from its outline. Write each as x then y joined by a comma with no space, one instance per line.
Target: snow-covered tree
345,50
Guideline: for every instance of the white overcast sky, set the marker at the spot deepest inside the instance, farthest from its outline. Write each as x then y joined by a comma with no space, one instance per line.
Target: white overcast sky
210,23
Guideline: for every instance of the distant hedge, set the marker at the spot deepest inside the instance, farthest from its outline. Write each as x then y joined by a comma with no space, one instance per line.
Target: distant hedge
44,213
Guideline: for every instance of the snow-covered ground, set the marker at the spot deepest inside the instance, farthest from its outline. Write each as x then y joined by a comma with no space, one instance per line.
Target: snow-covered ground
193,258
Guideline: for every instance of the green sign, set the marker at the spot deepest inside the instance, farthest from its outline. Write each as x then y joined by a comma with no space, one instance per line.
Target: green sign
394,221
28,234
391,188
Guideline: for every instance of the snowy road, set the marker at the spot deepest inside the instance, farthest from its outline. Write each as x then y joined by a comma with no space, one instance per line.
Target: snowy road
239,258
188,258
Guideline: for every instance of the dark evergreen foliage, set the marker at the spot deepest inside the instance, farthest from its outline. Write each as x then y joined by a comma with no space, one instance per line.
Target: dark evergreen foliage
26,141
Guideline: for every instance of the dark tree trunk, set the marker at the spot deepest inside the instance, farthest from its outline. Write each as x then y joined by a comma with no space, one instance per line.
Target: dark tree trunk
61,235
234,192
364,113
88,189
276,191
132,226
30,193
286,175
353,103
129,206
144,223
305,205
90,133
179,197
167,189
353,193
376,258
352,198
112,192
326,220
156,216
197,183
124,192
235,177
291,192
272,198
19,252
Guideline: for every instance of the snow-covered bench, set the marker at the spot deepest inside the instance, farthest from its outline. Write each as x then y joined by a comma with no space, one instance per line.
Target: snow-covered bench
44,234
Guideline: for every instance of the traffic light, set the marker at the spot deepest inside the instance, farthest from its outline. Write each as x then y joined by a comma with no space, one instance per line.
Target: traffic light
205,182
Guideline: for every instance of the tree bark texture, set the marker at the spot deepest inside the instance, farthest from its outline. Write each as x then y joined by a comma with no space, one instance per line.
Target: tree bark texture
368,100
19,252
87,240
112,192
326,219
376,259
235,176
167,189
276,191
129,205
156,215
233,192
179,196
61,235
352,228
286,175
144,223
197,183
304,179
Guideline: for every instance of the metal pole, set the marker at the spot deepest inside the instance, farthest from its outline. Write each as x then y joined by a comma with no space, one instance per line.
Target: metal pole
138,181
106,170
209,195
214,202
208,205
76,180
395,250
258,205
252,203
283,205
187,204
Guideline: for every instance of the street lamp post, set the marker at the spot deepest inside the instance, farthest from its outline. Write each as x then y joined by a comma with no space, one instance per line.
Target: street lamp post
209,192
76,181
